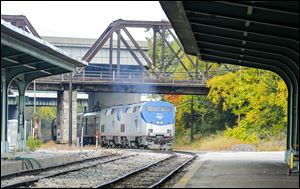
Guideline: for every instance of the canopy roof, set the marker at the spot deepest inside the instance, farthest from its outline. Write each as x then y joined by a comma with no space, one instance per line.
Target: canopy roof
28,57
263,34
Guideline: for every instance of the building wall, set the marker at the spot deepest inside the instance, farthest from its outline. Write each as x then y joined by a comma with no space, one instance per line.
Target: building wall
77,47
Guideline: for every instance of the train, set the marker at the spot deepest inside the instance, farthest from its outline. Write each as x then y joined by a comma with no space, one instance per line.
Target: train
149,125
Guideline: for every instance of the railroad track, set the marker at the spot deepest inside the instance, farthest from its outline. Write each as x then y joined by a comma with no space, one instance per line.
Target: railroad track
38,171
135,170
152,175
27,178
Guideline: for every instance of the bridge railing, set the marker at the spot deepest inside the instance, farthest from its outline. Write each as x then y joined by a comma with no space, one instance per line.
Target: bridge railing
135,77
114,76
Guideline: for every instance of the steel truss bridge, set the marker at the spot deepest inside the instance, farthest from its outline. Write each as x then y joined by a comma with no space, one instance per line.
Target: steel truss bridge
160,74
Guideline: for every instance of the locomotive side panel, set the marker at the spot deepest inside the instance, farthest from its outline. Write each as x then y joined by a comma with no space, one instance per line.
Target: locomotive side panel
131,121
148,124
108,126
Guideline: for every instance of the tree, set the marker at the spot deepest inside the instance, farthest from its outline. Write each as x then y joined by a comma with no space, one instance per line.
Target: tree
45,114
208,118
259,96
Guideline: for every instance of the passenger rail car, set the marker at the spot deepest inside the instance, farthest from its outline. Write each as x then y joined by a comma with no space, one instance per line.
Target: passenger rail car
87,127
147,125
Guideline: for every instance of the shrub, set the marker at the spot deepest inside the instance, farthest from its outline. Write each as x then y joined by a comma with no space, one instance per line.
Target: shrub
242,134
33,144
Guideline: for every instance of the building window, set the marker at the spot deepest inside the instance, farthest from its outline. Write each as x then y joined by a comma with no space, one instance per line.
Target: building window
113,111
102,128
136,108
122,128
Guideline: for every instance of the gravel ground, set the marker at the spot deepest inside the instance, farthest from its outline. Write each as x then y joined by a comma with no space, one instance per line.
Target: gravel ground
92,176
171,182
80,155
243,147
102,173
154,174
56,170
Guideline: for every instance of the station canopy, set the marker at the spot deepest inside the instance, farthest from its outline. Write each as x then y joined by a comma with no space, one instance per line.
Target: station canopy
263,34
27,57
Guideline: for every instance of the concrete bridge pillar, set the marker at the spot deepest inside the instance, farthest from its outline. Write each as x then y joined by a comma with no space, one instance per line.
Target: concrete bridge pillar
63,116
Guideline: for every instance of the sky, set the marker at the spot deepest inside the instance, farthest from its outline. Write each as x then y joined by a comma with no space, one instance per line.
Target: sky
84,19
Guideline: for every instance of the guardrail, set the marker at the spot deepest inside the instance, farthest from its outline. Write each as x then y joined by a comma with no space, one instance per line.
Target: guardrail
129,77
135,77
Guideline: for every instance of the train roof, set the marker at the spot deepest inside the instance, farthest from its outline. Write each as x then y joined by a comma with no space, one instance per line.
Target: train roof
91,114
138,104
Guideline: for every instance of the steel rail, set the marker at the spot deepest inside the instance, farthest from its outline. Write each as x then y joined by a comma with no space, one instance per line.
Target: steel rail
172,173
121,178
38,171
32,181
113,182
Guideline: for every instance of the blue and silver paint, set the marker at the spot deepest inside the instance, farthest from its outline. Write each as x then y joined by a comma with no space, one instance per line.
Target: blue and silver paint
158,113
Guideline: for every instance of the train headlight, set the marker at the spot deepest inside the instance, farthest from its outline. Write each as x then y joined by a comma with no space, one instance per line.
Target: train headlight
150,131
159,122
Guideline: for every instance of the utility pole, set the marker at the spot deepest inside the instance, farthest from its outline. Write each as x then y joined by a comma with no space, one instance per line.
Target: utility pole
34,109
239,115
192,119
70,108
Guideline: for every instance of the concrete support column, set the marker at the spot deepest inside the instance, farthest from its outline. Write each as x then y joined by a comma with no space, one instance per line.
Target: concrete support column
296,119
63,116
4,87
21,143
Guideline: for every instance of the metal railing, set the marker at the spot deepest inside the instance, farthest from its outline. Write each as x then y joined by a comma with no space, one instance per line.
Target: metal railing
130,77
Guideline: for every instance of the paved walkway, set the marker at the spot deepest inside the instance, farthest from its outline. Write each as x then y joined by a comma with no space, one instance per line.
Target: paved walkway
239,170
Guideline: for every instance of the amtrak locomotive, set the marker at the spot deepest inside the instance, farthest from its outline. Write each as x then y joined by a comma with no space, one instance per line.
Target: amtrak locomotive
147,124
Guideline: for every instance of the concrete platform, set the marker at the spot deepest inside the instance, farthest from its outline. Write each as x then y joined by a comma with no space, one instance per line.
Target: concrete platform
46,158
239,170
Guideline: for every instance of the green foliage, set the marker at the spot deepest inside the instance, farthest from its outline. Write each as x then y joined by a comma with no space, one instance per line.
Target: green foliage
159,54
255,98
45,114
80,108
33,144
241,133
259,97
207,118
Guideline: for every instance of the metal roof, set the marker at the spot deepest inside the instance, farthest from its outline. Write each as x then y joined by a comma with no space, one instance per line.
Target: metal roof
263,34
22,22
26,55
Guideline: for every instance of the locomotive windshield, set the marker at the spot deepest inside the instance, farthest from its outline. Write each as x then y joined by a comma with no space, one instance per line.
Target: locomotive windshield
159,109
165,108
152,108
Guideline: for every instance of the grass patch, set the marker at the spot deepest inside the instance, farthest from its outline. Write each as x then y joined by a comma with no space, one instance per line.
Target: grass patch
271,146
33,144
214,142
219,142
